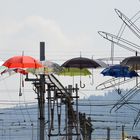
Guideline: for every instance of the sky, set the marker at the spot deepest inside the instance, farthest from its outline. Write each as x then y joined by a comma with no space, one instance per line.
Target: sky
68,28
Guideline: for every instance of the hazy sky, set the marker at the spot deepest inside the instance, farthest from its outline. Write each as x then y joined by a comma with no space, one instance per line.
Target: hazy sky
68,27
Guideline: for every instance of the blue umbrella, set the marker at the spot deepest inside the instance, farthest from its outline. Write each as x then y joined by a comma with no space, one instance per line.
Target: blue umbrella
119,71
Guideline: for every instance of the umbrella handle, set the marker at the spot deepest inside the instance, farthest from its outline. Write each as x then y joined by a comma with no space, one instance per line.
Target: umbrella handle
82,86
20,93
92,80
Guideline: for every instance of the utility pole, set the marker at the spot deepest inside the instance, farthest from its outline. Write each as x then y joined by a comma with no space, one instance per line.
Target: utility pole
39,84
70,121
108,133
86,126
41,95
123,132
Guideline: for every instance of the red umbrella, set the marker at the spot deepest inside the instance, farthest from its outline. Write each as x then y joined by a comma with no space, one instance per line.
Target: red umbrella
22,62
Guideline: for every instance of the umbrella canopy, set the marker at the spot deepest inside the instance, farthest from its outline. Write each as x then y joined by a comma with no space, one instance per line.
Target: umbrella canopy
119,71
133,62
48,67
75,72
4,69
22,62
80,62
101,63
12,71
52,66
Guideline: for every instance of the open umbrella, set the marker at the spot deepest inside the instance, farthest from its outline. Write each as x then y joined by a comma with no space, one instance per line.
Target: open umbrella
52,67
2,70
81,62
119,71
101,63
74,72
133,62
48,68
22,62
